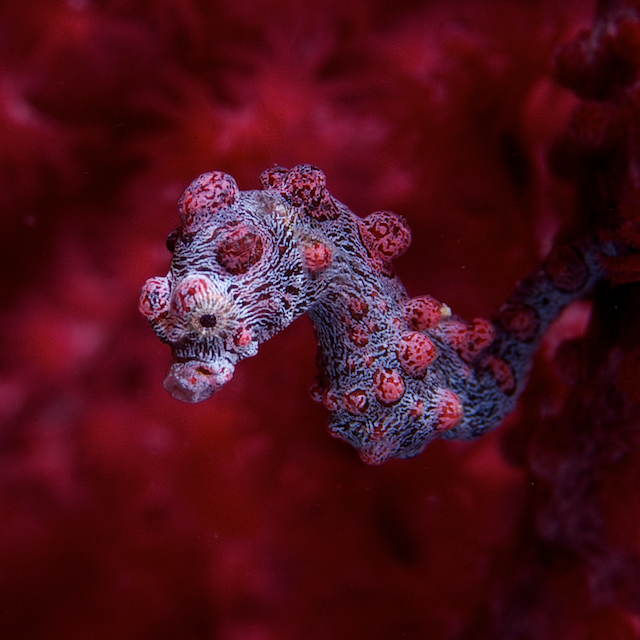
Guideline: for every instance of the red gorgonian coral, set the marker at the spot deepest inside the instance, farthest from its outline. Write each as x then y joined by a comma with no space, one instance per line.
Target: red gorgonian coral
496,130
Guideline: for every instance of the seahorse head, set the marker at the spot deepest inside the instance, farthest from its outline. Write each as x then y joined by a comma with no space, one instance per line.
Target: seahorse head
245,265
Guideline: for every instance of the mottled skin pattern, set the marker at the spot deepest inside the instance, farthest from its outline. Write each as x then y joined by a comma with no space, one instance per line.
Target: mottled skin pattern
395,372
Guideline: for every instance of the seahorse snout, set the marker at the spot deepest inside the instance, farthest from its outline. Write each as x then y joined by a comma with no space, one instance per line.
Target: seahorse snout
195,381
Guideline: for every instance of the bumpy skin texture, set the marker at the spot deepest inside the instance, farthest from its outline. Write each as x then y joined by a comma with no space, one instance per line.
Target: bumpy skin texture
395,372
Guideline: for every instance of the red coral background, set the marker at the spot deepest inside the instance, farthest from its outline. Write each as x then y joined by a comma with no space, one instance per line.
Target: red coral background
126,514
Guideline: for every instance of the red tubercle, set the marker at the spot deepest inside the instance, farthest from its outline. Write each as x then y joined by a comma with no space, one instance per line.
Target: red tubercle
155,298
273,177
302,186
566,269
377,452
416,352
208,193
424,312
356,401
359,334
502,372
388,386
468,339
385,234
520,320
417,409
449,410
358,308
480,334
454,332
317,256
331,400
305,185
243,337
240,248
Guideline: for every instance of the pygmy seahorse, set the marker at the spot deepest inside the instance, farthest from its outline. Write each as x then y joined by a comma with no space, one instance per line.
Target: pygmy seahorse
395,372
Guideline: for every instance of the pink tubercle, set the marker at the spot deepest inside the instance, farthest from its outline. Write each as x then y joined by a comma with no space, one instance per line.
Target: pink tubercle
356,402
155,298
424,312
502,372
359,334
385,234
305,185
454,333
376,453
208,193
417,409
449,410
480,334
273,177
239,249
243,337
330,400
566,269
416,352
520,320
317,256
388,386
358,308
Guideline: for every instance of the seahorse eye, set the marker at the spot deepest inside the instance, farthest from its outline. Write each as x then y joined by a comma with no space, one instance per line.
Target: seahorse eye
172,238
208,320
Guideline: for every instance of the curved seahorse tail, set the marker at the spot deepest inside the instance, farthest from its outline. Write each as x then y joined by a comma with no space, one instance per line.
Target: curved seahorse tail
500,373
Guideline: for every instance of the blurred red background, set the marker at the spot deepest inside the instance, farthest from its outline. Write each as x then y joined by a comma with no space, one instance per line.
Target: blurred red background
126,514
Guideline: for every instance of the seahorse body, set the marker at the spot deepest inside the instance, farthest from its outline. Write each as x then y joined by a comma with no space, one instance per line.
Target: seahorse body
395,372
